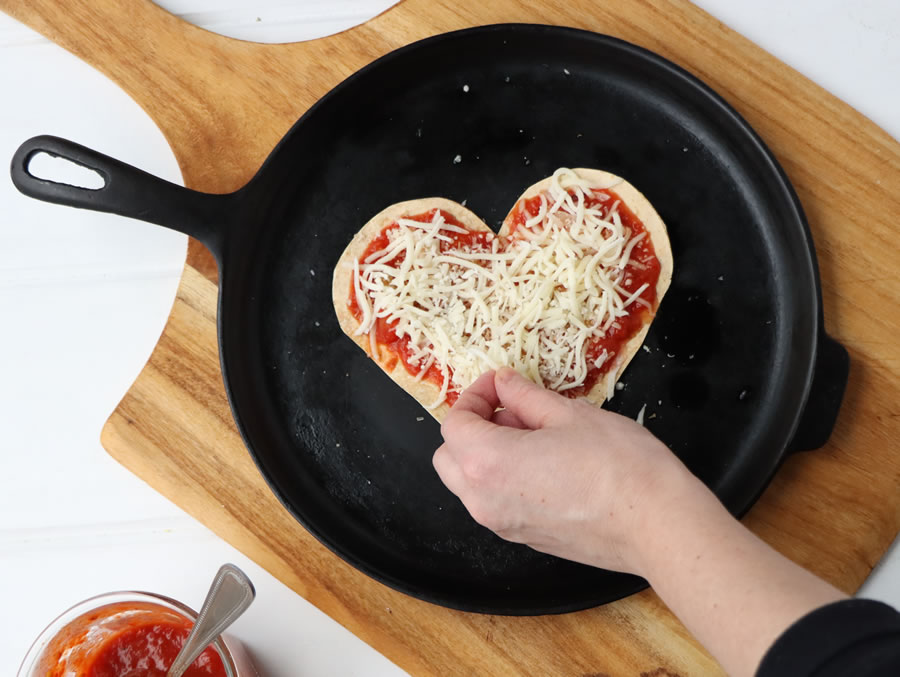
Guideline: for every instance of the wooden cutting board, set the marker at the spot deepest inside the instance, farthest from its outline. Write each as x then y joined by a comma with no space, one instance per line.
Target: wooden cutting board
223,104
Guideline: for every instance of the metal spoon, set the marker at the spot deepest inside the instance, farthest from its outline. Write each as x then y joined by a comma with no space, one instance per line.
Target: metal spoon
229,596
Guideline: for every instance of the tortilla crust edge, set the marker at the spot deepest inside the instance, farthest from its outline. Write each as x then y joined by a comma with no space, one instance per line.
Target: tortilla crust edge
425,392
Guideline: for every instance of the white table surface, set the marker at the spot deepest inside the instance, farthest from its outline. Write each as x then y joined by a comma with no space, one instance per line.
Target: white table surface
84,297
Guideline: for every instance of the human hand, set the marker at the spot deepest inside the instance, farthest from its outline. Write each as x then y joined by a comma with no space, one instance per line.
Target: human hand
562,476
570,479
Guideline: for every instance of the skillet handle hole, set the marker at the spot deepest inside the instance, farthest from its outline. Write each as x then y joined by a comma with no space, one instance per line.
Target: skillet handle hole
57,169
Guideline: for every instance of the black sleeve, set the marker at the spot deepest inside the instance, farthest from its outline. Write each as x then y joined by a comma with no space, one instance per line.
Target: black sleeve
851,638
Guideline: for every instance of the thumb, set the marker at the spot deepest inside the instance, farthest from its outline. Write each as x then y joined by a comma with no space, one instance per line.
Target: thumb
534,405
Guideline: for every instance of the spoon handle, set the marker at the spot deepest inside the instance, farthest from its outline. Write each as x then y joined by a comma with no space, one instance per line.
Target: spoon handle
229,596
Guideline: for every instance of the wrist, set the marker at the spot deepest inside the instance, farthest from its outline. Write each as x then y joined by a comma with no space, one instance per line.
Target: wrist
674,521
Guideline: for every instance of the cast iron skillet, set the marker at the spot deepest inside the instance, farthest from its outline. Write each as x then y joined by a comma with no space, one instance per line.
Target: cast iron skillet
739,370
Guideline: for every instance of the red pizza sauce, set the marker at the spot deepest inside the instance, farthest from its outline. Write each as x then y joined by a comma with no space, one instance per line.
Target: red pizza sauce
616,337
137,639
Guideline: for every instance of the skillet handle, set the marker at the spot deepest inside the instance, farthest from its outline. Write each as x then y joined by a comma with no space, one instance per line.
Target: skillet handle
127,191
825,395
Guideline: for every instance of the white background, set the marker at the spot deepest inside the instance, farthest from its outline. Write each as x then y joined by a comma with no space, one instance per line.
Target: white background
84,296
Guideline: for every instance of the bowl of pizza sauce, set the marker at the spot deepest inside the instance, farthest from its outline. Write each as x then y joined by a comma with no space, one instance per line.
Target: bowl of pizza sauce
128,634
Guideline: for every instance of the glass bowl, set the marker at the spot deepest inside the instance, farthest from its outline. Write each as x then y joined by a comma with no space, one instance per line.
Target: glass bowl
90,622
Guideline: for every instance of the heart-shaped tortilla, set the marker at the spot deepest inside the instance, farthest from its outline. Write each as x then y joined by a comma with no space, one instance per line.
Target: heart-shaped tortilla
565,291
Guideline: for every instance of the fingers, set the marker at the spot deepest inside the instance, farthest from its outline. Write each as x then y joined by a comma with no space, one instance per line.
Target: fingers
534,406
476,437
478,400
448,470
506,418
473,410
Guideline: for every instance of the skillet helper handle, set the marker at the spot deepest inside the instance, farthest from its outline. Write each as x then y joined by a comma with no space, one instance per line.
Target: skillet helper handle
825,395
127,191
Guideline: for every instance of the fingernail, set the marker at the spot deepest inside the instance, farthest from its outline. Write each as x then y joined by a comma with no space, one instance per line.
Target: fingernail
505,374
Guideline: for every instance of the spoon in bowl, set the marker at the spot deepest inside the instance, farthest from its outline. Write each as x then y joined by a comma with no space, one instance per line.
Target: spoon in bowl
229,596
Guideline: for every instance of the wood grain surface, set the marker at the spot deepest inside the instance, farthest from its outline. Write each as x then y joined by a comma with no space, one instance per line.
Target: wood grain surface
223,104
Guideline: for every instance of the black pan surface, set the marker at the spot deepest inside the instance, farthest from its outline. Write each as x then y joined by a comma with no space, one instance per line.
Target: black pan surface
477,116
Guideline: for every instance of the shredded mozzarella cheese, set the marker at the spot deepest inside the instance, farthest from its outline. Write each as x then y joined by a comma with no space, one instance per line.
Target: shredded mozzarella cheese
534,306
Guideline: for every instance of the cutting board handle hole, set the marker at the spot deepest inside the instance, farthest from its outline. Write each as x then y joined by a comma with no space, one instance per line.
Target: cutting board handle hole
47,167
281,22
